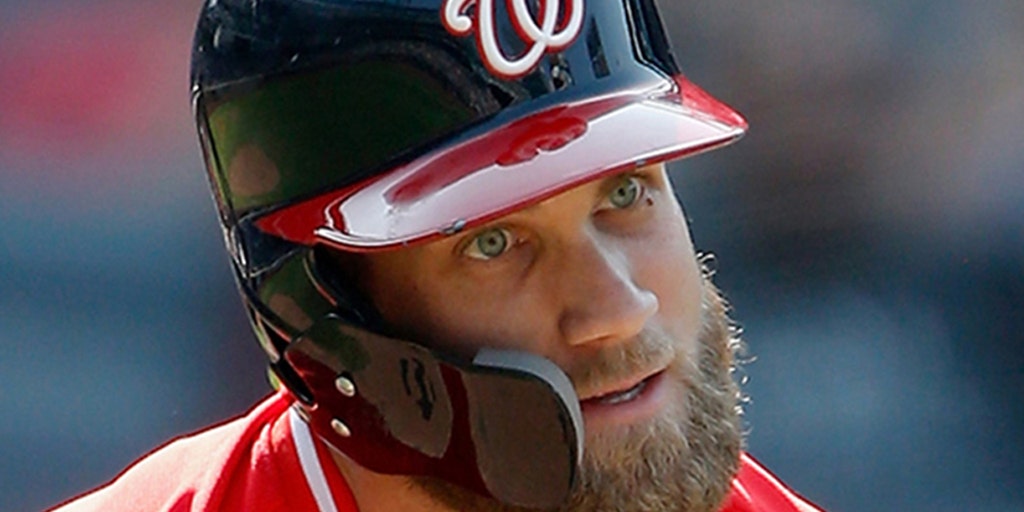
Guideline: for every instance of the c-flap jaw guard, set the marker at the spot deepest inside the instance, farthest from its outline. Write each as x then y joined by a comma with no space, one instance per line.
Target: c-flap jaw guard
506,424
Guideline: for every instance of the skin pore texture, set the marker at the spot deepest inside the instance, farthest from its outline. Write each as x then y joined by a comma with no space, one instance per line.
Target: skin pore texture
602,280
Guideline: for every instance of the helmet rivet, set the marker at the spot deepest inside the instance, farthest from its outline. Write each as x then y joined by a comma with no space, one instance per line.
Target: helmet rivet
453,228
345,386
340,428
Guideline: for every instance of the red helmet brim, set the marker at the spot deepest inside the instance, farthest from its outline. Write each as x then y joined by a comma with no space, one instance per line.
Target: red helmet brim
513,166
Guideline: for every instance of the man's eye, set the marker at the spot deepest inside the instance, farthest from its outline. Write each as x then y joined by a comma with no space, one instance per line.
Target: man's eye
626,194
489,244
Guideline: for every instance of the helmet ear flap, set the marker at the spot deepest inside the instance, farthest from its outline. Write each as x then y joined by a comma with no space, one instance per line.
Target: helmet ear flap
336,276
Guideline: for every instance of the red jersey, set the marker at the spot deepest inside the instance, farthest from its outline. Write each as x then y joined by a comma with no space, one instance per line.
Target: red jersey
268,461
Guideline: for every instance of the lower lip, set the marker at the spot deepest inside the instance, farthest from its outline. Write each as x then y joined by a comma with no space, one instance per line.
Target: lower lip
597,414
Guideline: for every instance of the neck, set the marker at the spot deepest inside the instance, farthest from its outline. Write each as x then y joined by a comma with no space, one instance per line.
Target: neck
376,492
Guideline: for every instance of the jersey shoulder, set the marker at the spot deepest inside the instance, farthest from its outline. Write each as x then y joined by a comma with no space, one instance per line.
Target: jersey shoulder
755,489
220,468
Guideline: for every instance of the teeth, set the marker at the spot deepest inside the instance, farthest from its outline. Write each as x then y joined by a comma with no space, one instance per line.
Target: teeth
625,396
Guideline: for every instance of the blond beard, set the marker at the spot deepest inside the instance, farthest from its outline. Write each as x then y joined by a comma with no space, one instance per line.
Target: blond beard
682,462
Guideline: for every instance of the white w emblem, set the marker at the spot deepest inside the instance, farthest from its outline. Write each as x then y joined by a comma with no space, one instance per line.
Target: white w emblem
540,38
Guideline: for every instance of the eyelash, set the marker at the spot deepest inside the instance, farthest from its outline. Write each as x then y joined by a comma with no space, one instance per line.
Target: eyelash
632,179
472,243
511,241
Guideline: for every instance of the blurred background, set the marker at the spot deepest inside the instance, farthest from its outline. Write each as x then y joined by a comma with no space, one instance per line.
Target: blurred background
869,232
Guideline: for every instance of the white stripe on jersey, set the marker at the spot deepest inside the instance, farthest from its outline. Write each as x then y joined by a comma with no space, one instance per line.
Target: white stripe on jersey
311,463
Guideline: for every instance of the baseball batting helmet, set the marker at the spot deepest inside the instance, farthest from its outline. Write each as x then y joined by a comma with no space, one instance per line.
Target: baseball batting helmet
368,125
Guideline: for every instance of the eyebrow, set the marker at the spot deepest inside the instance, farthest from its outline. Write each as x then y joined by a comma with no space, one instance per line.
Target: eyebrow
602,187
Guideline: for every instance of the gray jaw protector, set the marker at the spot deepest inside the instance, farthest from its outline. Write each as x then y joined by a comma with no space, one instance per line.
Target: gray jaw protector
506,424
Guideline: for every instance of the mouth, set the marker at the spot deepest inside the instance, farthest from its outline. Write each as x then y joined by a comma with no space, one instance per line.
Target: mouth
618,397
628,403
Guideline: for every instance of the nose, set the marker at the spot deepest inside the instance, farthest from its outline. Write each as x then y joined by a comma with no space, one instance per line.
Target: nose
602,302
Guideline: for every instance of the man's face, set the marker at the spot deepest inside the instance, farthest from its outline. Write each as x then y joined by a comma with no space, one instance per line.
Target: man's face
603,281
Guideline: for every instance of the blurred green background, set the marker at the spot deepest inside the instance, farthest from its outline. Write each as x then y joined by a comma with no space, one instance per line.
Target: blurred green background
869,232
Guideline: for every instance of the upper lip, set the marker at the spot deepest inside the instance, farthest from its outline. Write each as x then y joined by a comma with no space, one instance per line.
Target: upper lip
619,386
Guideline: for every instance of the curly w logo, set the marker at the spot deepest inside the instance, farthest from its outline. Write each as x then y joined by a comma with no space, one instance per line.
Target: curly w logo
553,32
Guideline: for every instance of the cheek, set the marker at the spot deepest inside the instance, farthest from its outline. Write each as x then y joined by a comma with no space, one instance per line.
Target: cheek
406,295
476,313
446,307
398,298
455,314
668,267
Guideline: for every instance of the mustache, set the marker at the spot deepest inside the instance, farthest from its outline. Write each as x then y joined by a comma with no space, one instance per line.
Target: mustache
719,349
648,351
